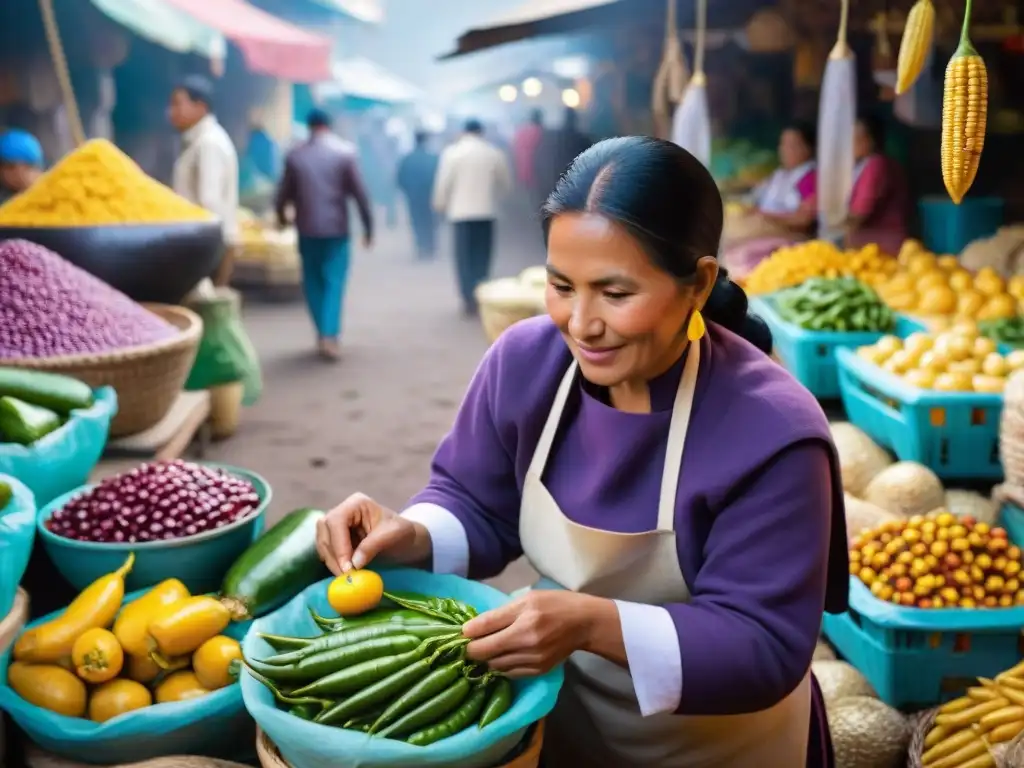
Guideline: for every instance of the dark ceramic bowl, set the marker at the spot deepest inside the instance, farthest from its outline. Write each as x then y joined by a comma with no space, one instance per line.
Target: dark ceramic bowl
157,263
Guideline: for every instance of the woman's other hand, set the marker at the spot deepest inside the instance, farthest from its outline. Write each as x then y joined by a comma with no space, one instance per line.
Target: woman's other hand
353,533
538,631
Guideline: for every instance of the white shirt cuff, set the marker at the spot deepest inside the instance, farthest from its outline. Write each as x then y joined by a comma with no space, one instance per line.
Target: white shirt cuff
447,537
652,650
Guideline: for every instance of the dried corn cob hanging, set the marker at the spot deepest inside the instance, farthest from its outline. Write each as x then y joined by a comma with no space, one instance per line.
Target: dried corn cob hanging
964,114
916,42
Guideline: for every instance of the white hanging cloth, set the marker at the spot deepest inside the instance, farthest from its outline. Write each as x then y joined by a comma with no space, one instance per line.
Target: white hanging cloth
691,123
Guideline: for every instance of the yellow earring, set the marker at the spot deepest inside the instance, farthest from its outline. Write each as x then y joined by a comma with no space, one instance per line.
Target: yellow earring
696,329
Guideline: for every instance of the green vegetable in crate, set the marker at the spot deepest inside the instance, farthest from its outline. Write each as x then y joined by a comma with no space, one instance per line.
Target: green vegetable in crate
60,394
24,423
275,568
1009,331
6,493
841,305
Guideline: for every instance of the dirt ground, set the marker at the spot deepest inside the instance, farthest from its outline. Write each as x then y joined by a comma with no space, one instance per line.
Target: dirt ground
371,422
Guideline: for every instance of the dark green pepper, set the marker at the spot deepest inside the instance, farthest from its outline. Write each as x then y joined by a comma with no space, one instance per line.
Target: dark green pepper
376,694
355,635
428,712
458,721
425,689
498,702
24,423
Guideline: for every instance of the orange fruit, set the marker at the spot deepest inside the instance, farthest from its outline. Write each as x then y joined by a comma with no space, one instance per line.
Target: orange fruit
355,592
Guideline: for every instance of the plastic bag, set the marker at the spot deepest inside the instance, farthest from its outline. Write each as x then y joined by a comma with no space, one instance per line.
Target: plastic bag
213,725
17,533
836,122
308,745
62,460
226,354
691,124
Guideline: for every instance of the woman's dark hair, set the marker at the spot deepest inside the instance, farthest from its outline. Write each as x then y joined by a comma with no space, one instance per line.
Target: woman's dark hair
666,199
807,131
875,129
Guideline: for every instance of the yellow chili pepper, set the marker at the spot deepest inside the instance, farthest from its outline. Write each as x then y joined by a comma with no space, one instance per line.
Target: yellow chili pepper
96,606
182,627
915,45
132,624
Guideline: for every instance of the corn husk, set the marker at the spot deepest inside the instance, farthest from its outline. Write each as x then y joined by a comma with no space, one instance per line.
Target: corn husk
836,120
691,123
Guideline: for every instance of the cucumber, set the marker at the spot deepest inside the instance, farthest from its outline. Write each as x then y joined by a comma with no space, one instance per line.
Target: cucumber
61,394
5,495
24,423
275,568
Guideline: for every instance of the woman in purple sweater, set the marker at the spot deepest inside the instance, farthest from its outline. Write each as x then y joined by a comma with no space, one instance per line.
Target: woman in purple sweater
677,491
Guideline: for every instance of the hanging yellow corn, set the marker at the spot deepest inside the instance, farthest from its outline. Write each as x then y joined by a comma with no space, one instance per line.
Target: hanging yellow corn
964,114
916,42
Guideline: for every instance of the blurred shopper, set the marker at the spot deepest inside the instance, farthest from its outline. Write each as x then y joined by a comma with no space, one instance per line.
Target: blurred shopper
472,178
879,203
416,175
21,162
556,151
378,157
320,176
206,171
524,151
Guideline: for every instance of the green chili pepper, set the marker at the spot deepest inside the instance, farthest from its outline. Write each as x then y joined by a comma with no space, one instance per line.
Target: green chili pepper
305,711
359,676
375,694
421,606
458,721
428,687
281,643
429,711
459,643
293,701
498,702
364,719
378,616
355,635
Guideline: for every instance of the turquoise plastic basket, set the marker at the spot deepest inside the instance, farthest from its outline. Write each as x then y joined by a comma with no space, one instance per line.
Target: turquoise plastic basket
1011,517
810,355
215,725
917,658
956,434
947,227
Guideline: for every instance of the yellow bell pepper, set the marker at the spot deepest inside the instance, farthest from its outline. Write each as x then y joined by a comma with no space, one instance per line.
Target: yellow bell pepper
182,627
132,624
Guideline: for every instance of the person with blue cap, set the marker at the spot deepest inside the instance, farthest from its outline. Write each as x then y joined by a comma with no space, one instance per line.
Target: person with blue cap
21,162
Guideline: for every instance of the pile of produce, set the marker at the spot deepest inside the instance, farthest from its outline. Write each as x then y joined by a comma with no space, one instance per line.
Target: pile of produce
928,285
959,360
398,672
97,185
968,728
1009,331
939,560
49,307
156,501
33,404
797,263
100,659
837,304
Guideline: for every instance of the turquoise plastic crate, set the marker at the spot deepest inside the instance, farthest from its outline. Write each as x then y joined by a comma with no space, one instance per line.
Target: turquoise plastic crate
810,355
955,434
947,227
916,658
1011,517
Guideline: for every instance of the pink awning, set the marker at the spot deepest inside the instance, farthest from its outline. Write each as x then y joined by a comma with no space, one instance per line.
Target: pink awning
271,46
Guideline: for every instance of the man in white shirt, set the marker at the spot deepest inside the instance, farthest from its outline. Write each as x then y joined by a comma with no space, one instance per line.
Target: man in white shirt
472,178
206,171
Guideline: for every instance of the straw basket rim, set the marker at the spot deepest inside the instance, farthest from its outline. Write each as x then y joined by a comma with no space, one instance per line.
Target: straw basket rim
188,323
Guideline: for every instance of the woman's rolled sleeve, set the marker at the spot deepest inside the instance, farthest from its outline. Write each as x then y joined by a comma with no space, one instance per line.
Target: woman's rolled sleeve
472,479
747,636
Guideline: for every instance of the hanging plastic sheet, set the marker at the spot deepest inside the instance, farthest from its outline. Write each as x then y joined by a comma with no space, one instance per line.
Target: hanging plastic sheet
691,123
837,116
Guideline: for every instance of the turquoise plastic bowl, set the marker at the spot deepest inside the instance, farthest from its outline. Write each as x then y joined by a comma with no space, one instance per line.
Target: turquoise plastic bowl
200,561
215,725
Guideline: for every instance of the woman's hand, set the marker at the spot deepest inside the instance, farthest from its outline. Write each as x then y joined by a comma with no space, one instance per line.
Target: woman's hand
538,631
357,530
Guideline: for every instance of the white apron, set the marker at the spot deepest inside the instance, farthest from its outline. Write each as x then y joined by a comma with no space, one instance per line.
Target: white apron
597,721
781,193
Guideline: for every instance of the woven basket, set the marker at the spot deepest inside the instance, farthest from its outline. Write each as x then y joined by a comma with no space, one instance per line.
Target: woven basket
498,312
147,379
1006,755
529,757
38,758
11,624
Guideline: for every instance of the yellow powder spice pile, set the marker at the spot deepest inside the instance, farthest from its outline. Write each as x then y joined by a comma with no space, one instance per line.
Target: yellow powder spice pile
97,185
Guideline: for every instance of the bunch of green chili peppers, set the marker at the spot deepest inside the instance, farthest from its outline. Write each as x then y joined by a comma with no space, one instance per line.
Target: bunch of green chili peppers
397,672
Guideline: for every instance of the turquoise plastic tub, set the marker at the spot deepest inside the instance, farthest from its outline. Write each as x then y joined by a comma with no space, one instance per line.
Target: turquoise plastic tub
308,745
200,561
955,434
810,355
63,459
916,658
215,725
17,532
948,228
1011,517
